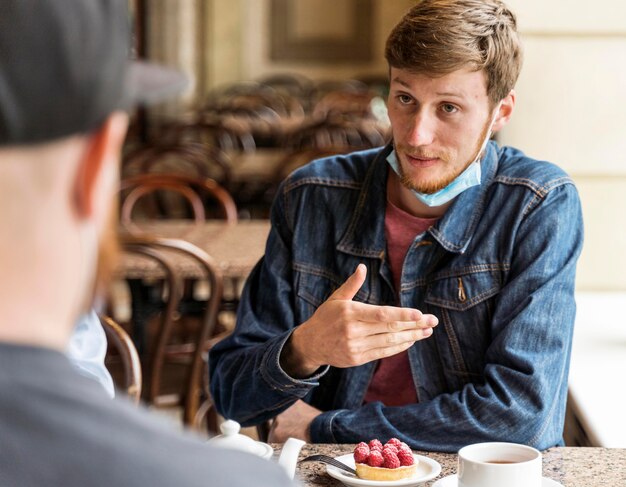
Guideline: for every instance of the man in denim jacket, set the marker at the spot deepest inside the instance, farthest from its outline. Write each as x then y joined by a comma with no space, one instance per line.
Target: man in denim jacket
443,228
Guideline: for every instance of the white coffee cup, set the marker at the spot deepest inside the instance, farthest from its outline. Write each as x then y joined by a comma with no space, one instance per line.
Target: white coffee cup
499,465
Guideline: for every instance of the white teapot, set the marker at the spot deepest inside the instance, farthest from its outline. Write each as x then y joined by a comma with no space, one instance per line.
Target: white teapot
232,439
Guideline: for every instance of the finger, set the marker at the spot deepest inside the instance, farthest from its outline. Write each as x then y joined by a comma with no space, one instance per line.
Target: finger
351,286
375,328
392,349
383,340
384,352
373,313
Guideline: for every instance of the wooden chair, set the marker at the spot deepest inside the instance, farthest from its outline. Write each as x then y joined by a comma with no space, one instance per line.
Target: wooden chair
187,353
212,129
152,304
336,133
199,192
182,158
119,340
347,105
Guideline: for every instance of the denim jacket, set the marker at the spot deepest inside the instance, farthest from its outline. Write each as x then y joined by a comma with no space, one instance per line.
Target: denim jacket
497,270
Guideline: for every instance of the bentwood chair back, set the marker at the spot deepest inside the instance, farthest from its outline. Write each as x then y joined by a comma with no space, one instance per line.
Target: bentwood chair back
204,196
173,348
119,341
153,308
179,157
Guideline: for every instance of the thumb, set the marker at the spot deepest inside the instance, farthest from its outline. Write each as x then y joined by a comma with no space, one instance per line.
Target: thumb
348,289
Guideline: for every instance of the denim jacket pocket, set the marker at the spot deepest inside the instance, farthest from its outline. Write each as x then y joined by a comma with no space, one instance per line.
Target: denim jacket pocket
465,289
461,301
314,285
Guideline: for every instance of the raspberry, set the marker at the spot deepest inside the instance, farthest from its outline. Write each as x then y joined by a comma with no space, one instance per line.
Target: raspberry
376,445
405,458
406,448
375,459
389,447
395,442
361,453
390,459
362,444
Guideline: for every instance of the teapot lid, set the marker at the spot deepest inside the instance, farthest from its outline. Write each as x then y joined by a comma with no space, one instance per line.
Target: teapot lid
232,439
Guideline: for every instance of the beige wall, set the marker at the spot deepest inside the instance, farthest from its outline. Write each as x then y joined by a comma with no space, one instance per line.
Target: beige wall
570,110
256,53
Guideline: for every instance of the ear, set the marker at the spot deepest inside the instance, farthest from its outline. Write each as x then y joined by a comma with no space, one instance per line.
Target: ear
505,111
96,175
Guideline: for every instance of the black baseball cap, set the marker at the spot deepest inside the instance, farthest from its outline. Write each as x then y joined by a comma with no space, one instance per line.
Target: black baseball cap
64,67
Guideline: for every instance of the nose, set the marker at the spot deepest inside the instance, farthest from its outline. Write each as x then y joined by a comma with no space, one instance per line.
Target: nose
421,130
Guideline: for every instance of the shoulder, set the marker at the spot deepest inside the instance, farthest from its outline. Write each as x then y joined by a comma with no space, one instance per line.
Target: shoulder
341,170
516,168
111,442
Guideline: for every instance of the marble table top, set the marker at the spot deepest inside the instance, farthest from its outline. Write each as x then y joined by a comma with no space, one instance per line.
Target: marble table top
572,467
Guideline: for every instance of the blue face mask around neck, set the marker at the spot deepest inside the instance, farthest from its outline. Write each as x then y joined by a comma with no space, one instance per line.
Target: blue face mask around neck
467,179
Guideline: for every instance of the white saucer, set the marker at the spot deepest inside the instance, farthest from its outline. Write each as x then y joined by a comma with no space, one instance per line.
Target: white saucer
450,481
427,469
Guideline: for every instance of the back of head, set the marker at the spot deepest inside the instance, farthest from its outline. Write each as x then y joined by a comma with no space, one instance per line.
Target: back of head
437,37
65,68
65,79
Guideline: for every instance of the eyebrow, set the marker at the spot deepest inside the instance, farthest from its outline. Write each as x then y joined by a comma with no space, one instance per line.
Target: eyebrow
450,93
445,93
399,81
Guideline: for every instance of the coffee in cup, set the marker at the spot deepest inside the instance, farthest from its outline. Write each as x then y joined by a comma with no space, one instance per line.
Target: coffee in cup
499,465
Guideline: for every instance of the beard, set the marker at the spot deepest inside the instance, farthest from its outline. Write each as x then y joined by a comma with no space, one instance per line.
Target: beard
431,187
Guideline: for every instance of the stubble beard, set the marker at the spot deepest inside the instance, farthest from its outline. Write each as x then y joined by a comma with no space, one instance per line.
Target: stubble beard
431,187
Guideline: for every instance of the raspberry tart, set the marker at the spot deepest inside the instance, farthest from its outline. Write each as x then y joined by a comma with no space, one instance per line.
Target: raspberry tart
392,461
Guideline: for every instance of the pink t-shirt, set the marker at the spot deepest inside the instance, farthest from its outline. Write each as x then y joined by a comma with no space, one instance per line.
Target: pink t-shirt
392,383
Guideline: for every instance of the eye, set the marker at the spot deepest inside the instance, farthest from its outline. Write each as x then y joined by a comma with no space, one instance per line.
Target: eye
404,99
449,108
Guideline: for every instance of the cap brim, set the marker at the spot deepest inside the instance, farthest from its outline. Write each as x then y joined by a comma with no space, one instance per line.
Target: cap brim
149,83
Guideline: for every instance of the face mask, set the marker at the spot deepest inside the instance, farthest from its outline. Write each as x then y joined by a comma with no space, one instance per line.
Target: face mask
467,179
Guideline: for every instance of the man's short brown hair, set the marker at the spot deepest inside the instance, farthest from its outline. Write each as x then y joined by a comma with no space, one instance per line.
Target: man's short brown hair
437,37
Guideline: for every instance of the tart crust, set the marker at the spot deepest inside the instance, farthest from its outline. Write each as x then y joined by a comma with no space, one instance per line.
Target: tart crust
366,472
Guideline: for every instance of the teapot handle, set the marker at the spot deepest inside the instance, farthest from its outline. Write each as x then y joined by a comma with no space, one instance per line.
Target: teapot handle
289,456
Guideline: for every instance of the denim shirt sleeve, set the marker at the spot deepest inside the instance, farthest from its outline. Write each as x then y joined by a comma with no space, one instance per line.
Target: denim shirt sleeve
521,397
246,379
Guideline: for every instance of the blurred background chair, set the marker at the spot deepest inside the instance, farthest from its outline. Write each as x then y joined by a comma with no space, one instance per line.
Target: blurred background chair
205,197
177,346
122,359
181,158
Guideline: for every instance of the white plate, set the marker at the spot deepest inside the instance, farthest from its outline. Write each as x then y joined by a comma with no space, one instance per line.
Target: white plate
450,481
427,469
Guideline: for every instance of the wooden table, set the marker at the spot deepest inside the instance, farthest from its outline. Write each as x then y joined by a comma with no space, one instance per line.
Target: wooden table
572,467
235,247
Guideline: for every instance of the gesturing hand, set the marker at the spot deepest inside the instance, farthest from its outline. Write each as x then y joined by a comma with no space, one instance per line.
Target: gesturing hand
346,333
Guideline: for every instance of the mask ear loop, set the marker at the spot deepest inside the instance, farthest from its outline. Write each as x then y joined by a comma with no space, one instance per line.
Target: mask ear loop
489,134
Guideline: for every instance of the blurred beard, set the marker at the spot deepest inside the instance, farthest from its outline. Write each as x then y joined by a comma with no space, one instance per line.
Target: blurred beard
431,187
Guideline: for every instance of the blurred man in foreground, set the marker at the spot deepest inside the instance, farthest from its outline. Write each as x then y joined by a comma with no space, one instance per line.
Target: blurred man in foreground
64,81
456,325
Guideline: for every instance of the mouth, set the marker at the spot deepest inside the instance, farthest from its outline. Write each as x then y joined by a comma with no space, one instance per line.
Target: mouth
421,162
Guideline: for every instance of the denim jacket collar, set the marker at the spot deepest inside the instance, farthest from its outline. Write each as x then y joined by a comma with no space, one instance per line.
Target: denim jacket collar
365,236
